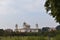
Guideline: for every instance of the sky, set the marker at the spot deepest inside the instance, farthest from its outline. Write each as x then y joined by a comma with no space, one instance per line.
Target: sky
30,11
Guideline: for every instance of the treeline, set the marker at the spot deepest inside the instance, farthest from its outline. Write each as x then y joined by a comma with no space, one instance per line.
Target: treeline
13,33
45,31
41,33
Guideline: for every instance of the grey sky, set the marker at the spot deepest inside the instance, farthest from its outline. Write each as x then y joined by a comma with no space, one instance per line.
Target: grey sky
18,11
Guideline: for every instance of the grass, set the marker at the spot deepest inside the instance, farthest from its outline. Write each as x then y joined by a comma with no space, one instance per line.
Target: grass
23,38
29,38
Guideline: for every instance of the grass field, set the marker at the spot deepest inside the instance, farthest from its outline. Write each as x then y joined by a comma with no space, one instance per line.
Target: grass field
29,38
23,38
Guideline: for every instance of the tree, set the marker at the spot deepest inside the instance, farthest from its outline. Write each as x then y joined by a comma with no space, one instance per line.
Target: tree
44,29
1,32
54,7
58,27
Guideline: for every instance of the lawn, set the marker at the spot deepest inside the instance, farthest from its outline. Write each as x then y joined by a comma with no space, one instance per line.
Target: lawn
29,38
23,38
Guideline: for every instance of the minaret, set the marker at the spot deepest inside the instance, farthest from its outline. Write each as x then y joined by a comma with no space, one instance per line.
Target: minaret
24,24
16,27
36,26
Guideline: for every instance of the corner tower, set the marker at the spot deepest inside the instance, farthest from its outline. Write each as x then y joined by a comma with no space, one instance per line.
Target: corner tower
16,27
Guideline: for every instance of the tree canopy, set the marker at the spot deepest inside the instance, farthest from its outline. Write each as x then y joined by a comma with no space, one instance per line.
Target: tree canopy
54,7
58,27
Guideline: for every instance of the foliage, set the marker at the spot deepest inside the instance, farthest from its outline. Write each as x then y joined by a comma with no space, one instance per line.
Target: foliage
44,29
58,27
55,35
12,33
1,32
54,7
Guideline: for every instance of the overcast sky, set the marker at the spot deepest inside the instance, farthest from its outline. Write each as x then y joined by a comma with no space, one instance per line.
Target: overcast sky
30,11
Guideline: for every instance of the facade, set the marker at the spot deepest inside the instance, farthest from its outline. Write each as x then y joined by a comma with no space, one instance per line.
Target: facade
27,28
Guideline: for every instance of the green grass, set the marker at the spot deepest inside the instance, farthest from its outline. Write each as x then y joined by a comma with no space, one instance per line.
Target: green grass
30,38
23,38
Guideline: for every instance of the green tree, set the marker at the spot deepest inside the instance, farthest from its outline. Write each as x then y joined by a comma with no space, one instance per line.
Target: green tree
58,27
1,32
54,7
